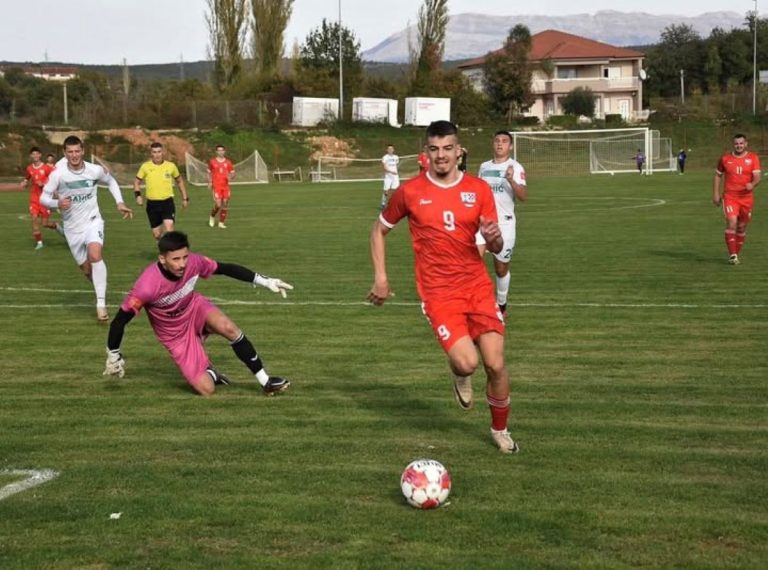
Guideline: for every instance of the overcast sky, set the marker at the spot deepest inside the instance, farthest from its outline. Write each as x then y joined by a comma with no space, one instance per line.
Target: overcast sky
162,31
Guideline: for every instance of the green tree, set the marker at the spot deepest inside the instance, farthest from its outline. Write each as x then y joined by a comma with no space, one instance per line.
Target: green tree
318,69
227,28
680,48
431,29
713,68
508,72
270,18
579,101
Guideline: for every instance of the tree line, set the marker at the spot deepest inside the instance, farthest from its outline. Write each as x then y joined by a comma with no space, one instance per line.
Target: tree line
247,49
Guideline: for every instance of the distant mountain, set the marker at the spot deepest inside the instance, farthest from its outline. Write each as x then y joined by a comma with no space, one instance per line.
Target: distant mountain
471,35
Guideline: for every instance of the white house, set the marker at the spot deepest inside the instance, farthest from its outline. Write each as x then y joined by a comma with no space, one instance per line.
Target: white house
612,73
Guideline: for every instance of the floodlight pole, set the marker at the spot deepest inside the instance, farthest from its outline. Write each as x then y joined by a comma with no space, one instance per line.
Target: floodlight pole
754,63
66,108
341,73
682,87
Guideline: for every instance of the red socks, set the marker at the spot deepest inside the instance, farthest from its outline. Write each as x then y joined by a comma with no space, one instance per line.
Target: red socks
730,242
740,241
499,412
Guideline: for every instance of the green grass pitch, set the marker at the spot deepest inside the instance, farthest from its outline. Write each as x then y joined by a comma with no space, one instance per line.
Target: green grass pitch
638,364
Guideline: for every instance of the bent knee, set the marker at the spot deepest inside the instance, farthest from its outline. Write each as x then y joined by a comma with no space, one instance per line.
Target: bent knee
464,364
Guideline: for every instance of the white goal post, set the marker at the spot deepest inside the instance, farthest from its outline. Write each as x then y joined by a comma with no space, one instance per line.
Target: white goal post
594,151
343,169
251,170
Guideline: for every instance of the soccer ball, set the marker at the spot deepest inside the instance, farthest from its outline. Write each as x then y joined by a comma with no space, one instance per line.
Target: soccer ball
425,483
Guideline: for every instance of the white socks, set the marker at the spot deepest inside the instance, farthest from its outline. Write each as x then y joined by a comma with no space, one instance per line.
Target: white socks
502,289
99,278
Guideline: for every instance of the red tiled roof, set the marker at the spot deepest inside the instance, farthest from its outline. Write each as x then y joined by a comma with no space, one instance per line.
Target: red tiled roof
552,44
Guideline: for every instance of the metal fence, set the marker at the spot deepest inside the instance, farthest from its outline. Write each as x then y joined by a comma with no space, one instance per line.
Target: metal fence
185,114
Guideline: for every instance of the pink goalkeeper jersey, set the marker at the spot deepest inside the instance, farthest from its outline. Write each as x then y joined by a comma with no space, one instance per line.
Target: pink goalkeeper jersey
165,300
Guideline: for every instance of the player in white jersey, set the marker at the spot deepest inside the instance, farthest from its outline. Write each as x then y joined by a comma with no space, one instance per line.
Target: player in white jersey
506,178
75,183
389,163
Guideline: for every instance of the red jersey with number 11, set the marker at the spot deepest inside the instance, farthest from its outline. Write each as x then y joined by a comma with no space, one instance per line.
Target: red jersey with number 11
443,221
738,171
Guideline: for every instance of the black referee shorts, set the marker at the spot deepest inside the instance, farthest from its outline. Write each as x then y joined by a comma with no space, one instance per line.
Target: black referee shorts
159,210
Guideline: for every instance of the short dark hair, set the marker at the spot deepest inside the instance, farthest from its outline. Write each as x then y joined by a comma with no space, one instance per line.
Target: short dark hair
218,146
34,149
503,132
156,145
739,136
172,241
441,129
72,140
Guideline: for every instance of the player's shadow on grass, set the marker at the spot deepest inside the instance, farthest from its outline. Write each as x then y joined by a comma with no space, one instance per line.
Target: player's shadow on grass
682,255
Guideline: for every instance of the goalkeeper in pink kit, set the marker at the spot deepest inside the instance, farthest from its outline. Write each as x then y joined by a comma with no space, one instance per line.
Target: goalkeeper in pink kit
181,318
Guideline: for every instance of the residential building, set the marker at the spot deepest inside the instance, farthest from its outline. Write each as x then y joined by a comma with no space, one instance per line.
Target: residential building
567,61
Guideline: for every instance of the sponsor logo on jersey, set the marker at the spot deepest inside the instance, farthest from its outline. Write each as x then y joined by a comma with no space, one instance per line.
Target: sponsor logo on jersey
77,184
424,202
469,198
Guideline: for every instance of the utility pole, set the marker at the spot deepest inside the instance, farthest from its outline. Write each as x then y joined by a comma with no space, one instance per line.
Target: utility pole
341,73
754,63
682,87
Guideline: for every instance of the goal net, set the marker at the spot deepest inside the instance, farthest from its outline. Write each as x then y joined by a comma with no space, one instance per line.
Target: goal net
251,170
123,172
341,169
604,151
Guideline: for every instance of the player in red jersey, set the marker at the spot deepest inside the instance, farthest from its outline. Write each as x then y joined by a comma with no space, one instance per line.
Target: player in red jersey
741,171
220,172
445,209
423,160
36,174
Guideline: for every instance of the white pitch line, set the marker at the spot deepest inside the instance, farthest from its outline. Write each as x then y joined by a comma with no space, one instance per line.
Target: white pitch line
543,305
34,477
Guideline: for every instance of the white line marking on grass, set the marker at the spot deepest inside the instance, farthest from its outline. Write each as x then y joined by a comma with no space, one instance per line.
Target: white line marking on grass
34,477
542,305
647,203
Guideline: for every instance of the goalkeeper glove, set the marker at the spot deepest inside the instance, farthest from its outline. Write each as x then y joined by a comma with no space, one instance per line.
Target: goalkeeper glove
273,284
115,364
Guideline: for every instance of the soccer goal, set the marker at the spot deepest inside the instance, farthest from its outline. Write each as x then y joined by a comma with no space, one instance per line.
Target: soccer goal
123,172
251,170
604,151
341,169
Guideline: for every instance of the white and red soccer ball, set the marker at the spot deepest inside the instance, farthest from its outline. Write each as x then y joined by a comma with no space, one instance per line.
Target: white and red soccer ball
425,483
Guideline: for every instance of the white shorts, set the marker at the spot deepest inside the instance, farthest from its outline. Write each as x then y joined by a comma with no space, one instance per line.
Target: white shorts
508,234
78,241
391,182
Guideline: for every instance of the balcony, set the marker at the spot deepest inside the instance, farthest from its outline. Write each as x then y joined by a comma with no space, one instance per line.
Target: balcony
596,84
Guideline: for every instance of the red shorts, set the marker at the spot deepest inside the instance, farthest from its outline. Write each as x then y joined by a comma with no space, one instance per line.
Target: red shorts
37,210
467,313
221,192
738,206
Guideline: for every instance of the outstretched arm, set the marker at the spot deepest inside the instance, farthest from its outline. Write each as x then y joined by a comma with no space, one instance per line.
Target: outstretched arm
244,274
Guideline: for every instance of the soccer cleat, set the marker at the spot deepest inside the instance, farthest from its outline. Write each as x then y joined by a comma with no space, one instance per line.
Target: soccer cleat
504,442
275,385
101,314
219,379
462,391
211,221
733,259
39,245
222,226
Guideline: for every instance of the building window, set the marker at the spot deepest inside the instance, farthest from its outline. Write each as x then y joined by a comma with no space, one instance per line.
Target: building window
566,73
